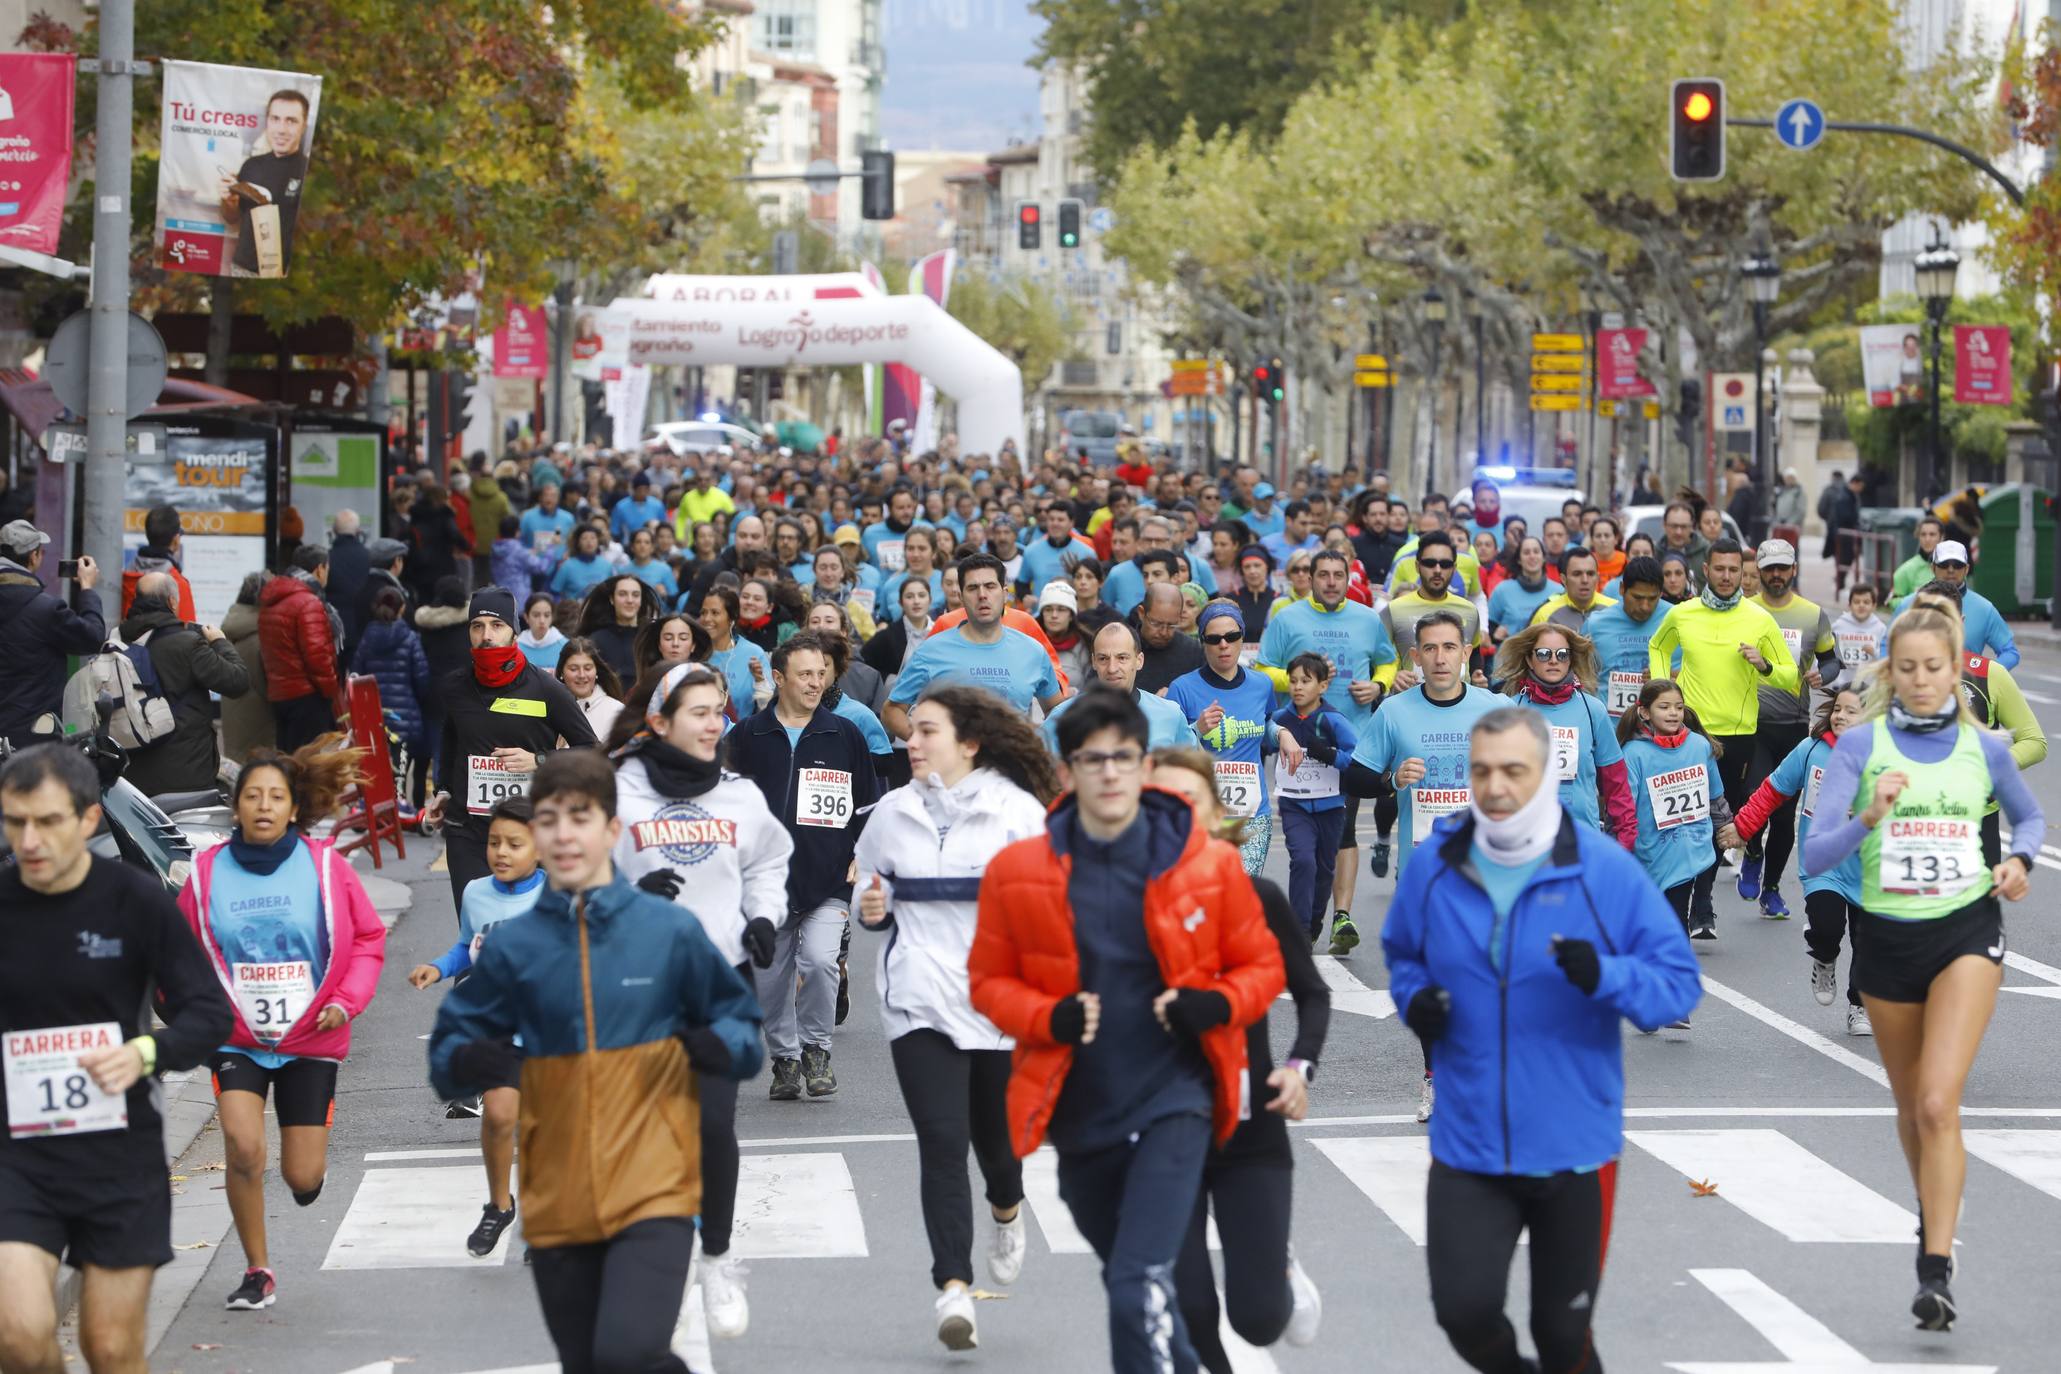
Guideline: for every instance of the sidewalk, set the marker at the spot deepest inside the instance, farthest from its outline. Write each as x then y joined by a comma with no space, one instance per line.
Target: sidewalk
1815,582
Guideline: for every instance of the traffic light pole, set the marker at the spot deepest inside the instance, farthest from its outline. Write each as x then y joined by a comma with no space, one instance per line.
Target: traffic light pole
1966,154
107,376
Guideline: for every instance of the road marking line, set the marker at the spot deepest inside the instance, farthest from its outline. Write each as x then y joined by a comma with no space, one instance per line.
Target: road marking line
1392,1171
1808,1346
1054,1217
2045,972
1801,1034
798,1206
2041,697
1348,993
2032,1157
1782,1185
409,1219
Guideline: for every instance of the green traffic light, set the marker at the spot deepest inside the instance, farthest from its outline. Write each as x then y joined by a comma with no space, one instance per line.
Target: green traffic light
1278,393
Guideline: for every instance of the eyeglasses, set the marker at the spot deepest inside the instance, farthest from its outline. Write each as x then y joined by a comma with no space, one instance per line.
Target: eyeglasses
1119,761
1963,567
1544,655
1227,637
1434,562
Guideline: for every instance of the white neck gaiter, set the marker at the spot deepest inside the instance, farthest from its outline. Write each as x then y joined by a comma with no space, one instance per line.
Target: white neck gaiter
1527,834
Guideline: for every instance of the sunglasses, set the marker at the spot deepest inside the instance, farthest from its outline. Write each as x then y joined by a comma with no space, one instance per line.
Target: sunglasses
1951,564
1227,637
1434,562
1552,655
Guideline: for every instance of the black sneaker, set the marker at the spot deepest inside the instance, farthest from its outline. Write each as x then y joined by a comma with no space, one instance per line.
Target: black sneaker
465,1109
257,1290
1703,928
815,1070
787,1081
1934,1306
1345,936
1380,861
487,1234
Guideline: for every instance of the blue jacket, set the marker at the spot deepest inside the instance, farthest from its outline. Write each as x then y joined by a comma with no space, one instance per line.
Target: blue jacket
1530,1069
391,652
822,853
519,568
601,994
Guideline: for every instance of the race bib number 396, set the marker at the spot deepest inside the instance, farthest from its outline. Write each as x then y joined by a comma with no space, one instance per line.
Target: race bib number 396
823,797
48,1094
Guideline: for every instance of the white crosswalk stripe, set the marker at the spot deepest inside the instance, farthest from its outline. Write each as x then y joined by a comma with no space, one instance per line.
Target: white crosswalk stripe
2032,1157
1779,1183
412,1219
797,1206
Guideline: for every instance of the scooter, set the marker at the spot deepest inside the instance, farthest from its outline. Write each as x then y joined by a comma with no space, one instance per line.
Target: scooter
158,834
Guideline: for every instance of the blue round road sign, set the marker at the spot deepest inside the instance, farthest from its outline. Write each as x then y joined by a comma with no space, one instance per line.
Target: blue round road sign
1799,124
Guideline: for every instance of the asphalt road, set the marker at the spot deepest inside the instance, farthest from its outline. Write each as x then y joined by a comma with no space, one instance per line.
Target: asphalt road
1800,1260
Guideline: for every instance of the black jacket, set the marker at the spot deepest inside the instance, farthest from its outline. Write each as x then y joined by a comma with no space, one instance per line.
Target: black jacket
188,666
39,631
348,565
885,651
822,853
533,712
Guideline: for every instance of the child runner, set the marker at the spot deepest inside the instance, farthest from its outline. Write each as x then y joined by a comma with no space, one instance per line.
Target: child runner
1312,811
1860,633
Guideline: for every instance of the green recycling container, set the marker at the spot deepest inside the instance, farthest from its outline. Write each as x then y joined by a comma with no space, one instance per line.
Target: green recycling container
2015,561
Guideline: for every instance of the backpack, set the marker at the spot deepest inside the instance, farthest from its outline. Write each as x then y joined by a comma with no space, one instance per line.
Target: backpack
123,674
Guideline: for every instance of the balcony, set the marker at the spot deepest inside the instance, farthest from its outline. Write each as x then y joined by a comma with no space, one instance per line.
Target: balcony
870,56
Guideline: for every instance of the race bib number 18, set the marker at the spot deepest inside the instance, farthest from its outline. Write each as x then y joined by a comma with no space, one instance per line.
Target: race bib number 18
48,1094
823,797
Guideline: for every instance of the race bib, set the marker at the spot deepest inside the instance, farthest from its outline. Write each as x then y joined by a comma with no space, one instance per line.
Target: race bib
824,797
1808,806
48,1094
489,780
1929,856
1309,782
1680,797
863,597
272,997
1427,804
1567,752
1248,655
543,541
1623,691
892,555
1857,647
1794,639
1238,787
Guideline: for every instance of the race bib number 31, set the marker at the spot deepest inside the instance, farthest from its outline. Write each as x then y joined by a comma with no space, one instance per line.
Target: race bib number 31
272,997
1238,787
48,1094
488,780
824,797
1929,856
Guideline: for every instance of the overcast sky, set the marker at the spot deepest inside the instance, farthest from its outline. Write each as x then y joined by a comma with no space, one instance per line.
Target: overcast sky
956,77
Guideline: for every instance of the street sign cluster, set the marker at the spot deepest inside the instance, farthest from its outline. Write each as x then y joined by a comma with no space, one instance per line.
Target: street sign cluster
1371,372
1558,363
1195,377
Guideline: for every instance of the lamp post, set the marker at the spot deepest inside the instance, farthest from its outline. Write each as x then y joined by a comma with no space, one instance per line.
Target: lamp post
1478,315
1935,268
1763,284
1435,321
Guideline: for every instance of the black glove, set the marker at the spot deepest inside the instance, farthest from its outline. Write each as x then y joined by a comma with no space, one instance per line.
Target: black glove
1577,959
661,882
1324,751
1195,1010
486,1061
707,1052
1429,1013
758,941
1069,1021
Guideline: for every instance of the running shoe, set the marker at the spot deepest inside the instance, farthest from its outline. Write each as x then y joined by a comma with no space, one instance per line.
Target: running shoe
1381,853
1682,1024
1824,981
1749,879
1703,928
487,1234
1006,1248
1857,1021
465,1108
955,1327
815,1071
1345,936
1308,1312
1934,1306
1427,1096
722,1296
256,1291
1772,907
787,1081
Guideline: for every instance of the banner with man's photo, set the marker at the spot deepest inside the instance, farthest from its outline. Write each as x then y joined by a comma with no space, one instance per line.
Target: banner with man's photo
1892,363
233,164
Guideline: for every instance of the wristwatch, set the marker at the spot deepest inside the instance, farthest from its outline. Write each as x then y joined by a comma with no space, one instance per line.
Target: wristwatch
1306,1069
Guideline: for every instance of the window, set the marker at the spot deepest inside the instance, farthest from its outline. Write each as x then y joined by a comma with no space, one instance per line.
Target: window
787,26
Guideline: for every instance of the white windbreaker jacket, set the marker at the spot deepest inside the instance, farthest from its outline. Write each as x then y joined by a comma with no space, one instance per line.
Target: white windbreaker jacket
730,853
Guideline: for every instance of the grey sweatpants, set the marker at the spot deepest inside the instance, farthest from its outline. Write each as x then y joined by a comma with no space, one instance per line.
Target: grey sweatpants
806,947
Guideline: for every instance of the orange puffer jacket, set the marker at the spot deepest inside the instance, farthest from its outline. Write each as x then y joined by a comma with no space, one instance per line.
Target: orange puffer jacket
1206,929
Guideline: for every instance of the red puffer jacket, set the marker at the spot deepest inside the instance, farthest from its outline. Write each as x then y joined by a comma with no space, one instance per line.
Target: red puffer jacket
1206,929
295,641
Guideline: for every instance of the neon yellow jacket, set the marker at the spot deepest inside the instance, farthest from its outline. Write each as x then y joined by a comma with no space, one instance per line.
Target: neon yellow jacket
1717,681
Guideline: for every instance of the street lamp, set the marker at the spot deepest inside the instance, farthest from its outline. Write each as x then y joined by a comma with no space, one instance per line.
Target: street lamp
1479,315
1435,320
1935,268
1763,284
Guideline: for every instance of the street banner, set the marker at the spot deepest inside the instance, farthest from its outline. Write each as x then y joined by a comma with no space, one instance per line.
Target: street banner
233,161
1617,364
522,343
1892,363
1982,365
220,486
35,147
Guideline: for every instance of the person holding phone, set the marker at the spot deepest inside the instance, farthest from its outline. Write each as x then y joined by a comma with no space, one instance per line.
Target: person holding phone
42,631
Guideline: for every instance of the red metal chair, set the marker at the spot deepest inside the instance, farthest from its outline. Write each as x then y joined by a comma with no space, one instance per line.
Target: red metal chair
375,807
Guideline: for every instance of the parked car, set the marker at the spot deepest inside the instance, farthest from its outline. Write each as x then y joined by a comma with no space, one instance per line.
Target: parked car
1647,520
700,436
1093,432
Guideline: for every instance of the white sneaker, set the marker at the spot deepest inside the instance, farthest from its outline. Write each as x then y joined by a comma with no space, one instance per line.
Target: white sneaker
955,1328
722,1297
1824,982
1425,1100
1308,1313
1857,1021
1006,1248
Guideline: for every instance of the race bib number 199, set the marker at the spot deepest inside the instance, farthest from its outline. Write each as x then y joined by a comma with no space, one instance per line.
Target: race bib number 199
1624,691
488,780
823,797
48,1094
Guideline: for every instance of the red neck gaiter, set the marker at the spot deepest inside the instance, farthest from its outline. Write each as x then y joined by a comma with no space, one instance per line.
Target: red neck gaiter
1674,741
1551,693
493,667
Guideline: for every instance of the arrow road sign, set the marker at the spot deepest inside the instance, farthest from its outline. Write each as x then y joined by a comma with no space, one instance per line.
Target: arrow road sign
1799,124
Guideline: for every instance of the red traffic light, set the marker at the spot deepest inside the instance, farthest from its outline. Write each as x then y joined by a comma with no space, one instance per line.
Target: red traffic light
1698,107
1027,214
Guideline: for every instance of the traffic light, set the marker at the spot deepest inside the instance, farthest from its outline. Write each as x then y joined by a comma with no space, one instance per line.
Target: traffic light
1029,226
1269,382
1696,129
1688,412
1069,224
877,185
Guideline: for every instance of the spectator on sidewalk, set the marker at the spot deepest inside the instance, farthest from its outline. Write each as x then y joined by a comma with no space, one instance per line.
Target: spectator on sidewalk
391,654
1839,506
436,541
247,720
40,631
386,559
1789,500
190,661
298,634
160,553
350,563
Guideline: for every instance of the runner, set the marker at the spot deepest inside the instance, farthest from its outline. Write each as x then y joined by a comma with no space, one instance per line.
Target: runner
1623,634
510,890
1903,789
1549,669
1312,810
501,716
1784,720
82,1164
1861,633
1518,597
1433,592
1232,711
1915,571
980,652
1115,658
1571,608
1129,1014
1672,766
1831,901
298,947
595,688
621,1006
1985,630
816,773
1248,1181
1515,943
700,835
982,781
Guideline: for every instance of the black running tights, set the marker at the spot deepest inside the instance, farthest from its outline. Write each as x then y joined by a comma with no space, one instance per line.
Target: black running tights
611,1306
719,1155
1251,1197
1829,915
956,1098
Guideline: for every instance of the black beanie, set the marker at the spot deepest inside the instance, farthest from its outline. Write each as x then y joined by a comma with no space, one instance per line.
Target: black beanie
498,602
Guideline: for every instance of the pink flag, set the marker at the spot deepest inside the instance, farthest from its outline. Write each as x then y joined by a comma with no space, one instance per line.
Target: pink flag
1617,364
1982,365
35,147
522,345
